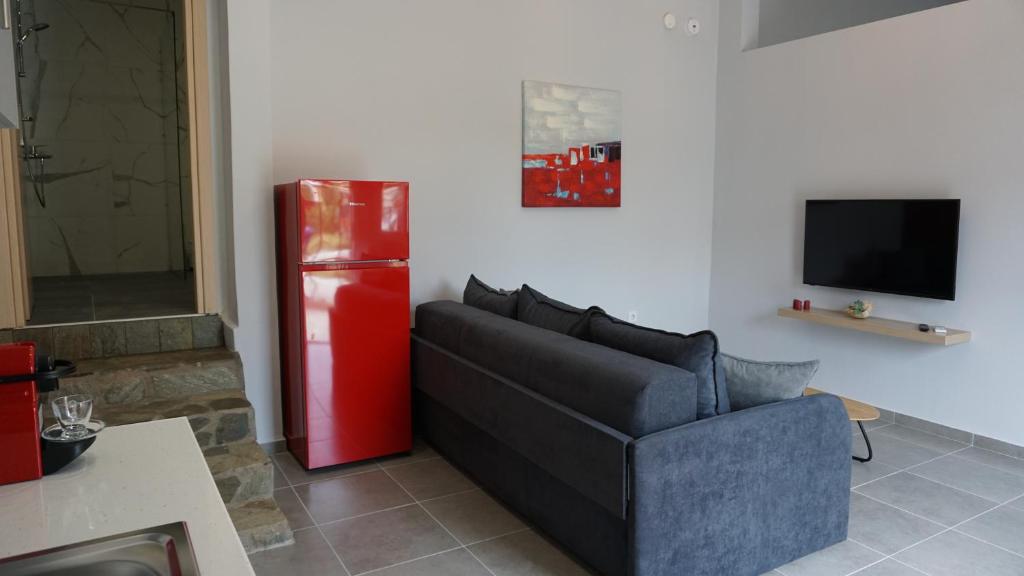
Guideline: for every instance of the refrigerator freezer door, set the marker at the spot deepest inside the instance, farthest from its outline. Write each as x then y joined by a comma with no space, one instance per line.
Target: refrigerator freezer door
352,221
356,334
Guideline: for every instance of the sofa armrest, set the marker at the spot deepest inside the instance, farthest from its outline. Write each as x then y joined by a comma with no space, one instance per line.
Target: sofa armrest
740,493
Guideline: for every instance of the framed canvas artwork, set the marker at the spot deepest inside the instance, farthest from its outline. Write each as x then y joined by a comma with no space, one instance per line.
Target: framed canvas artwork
572,146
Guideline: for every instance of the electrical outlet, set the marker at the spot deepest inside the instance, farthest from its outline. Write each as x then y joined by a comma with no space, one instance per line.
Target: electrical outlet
632,316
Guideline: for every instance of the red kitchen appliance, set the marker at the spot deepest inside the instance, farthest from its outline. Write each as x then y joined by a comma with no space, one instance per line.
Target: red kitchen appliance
343,308
25,378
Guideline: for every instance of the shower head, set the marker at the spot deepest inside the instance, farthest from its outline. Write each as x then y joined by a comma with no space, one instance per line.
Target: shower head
34,28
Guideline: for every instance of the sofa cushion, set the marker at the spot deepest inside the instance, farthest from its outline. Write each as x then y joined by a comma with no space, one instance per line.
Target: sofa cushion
538,310
697,353
752,383
480,295
631,394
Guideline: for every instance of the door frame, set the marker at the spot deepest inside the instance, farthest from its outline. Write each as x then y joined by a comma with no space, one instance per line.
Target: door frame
15,295
204,231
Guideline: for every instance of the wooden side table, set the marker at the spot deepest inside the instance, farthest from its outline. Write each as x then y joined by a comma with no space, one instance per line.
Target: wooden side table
858,412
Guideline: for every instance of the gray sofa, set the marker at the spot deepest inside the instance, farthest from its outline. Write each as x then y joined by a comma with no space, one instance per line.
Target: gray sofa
603,450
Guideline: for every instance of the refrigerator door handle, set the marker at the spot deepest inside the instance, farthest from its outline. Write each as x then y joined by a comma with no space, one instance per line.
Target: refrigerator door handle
7,14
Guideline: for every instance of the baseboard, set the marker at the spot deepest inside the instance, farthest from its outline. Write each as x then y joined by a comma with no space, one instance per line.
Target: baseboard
969,438
274,447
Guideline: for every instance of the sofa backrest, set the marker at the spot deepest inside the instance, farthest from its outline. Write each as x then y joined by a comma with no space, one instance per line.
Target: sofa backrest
631,394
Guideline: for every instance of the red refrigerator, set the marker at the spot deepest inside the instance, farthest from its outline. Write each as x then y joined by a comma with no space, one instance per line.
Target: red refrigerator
343,306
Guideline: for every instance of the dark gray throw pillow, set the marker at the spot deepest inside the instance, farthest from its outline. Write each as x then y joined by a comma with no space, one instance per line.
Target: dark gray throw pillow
753,383
696,353
480,295
538,310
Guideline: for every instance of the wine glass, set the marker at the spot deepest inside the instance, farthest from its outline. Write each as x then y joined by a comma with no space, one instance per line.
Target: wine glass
73,412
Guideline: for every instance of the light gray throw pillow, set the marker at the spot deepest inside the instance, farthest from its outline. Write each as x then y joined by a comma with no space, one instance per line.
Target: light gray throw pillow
752,383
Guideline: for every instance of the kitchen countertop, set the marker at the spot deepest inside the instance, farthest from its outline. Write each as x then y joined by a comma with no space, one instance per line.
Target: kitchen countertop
133,477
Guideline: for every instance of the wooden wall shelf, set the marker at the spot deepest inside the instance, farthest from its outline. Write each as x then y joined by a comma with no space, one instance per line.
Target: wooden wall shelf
883,326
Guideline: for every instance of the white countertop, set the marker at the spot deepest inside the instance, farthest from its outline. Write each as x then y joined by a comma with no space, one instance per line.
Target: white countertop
133,477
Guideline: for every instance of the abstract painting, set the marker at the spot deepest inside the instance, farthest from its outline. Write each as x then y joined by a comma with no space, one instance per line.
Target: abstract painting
572,146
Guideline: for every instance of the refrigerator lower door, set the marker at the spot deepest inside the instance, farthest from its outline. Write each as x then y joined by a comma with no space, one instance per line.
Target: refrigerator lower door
356,362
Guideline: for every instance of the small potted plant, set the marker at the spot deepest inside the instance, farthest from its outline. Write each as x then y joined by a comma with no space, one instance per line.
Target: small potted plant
860,309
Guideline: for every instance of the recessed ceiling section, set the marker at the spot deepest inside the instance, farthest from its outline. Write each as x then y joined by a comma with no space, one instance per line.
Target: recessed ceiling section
769,22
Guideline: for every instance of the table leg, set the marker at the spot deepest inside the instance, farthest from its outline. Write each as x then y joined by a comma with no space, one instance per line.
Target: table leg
866,441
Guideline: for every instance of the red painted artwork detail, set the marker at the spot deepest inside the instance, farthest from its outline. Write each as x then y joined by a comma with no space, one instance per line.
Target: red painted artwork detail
589,175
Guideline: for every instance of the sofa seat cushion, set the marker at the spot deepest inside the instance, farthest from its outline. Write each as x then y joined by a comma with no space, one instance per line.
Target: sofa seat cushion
631,394
696,353
480,295
538,310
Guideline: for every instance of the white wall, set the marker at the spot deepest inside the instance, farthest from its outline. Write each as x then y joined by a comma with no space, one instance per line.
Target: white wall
925,105
250,157
429,92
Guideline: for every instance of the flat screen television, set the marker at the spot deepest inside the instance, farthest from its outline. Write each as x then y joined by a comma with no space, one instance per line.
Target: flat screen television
892,246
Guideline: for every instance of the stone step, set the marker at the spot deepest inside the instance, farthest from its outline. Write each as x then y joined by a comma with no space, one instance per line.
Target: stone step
243,472
161,376
116,338
217,418
261,525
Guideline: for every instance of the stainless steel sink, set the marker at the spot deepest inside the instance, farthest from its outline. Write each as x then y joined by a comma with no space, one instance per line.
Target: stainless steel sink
160,551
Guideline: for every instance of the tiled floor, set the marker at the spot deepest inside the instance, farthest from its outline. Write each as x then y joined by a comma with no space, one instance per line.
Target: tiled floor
926,506
412,515
68,299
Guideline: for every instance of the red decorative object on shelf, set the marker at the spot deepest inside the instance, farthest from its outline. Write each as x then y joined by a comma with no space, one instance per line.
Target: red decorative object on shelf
797,305
807,305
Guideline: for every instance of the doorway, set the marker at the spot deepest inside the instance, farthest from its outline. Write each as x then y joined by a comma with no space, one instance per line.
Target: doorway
108,147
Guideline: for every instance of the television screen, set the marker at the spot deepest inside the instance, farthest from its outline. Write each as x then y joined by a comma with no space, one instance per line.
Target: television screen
892,246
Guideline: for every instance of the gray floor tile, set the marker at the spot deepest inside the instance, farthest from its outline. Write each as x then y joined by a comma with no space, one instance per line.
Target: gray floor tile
420,451
838,560
864,472
938,443
430,479
348,496
999,446
292,508
296,474
1018,503
999,461
884,528
1003,526
309,556
923,497
935,429
473,516
953,554
454,563
62,299
525,554
387,538
889,567
895,452
279,480
869,426
971,477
